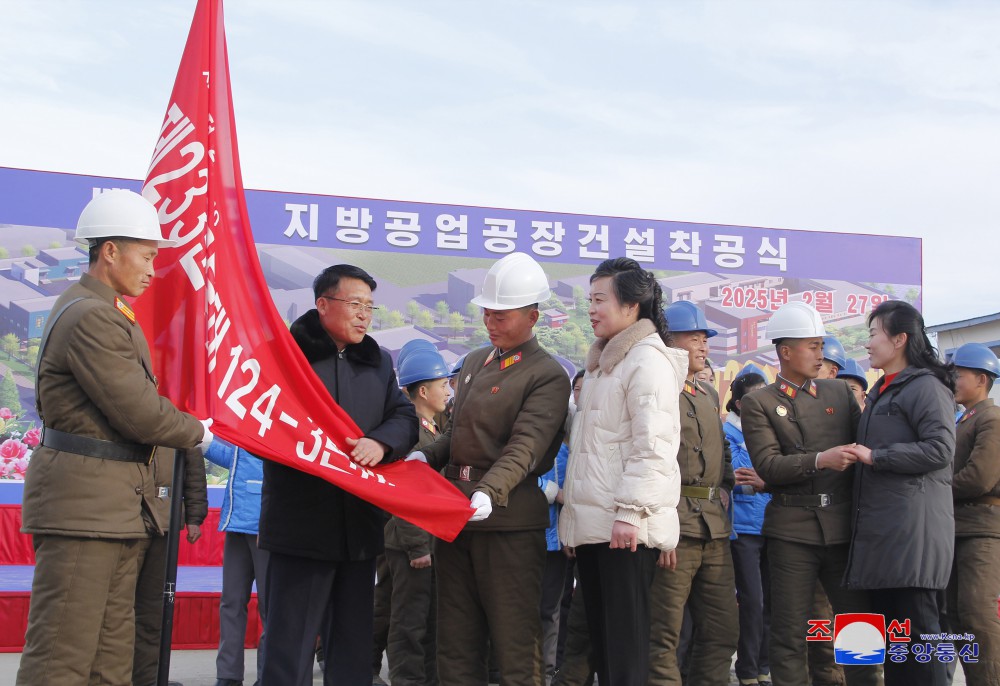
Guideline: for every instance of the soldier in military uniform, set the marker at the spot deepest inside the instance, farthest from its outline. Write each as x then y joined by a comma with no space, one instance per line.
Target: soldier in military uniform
411,647
699,572
510,410
90,487
975,576
796,430
823,667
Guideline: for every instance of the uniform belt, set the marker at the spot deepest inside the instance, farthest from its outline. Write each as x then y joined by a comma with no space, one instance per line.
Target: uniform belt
464,472
981,500
95,447
703,492
818,500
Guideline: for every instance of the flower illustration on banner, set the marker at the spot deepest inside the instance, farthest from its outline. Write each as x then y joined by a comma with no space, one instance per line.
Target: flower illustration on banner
16,445
32,437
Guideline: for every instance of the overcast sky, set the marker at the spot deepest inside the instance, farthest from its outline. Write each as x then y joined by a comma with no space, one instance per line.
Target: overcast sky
869,117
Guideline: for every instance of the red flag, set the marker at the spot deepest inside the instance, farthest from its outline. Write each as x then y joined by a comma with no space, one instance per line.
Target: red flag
221,350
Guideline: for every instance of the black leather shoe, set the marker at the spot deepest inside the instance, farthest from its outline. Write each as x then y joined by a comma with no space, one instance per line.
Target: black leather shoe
228,682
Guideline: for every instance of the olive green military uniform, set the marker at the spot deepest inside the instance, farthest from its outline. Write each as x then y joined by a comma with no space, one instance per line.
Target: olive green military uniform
510,410
704,577
152,562
975,574
88,514
823,667
411,647
807,523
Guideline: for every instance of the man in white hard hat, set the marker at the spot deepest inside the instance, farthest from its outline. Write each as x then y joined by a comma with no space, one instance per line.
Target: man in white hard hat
90,487
507,426
797,432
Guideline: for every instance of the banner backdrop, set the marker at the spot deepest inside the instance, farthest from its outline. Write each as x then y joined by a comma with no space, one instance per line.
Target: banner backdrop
429,260
220,348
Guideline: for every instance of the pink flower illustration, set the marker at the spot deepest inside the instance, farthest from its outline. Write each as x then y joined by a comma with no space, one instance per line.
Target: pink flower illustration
5,413
20,468
32,437
12,448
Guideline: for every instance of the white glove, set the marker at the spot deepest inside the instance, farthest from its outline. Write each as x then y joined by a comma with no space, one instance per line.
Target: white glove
550,489
482,505
208,436
416,456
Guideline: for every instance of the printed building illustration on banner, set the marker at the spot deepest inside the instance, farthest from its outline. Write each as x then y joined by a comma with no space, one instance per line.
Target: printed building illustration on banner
430,260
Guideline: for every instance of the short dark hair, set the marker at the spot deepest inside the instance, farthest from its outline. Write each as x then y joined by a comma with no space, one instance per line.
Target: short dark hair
95,246
579,374
739,388
329,278
414,388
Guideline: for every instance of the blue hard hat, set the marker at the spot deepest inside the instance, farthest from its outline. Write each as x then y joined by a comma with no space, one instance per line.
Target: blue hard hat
422,365
853,370
686,316
834,351
411,346
751,368
457,367
977,356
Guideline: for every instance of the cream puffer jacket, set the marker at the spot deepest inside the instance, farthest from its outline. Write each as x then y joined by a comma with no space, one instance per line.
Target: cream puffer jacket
623,445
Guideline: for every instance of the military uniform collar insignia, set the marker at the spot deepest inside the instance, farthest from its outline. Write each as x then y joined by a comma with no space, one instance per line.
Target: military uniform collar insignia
510,361
786,387
123,307
690,387
428,424
967,414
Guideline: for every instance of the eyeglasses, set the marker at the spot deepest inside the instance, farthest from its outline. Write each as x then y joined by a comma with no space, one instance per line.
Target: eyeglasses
356,307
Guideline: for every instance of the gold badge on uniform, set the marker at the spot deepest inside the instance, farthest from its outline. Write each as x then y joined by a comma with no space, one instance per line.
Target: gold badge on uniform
781,410
123,307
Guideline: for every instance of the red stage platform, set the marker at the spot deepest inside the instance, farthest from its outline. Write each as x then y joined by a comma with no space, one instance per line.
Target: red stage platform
199,580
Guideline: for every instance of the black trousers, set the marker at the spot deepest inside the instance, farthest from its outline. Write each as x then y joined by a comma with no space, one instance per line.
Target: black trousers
334,600
615,586
553,589
922,606
753,594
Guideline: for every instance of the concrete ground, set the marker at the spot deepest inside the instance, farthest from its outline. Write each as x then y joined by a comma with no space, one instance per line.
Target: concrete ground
197,668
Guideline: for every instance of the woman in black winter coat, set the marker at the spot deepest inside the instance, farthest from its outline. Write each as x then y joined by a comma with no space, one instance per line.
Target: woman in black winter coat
904,527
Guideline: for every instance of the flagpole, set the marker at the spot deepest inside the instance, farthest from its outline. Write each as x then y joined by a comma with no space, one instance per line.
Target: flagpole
170,579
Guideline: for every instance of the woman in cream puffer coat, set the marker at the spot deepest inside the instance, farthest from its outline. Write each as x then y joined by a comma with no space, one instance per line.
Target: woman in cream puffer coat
622,481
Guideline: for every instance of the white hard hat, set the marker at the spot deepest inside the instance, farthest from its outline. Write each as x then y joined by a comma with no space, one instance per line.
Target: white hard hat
120,212
512,282
795,320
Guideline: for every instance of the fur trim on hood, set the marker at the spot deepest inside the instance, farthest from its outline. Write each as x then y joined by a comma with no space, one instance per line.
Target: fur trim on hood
606,353
317,345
